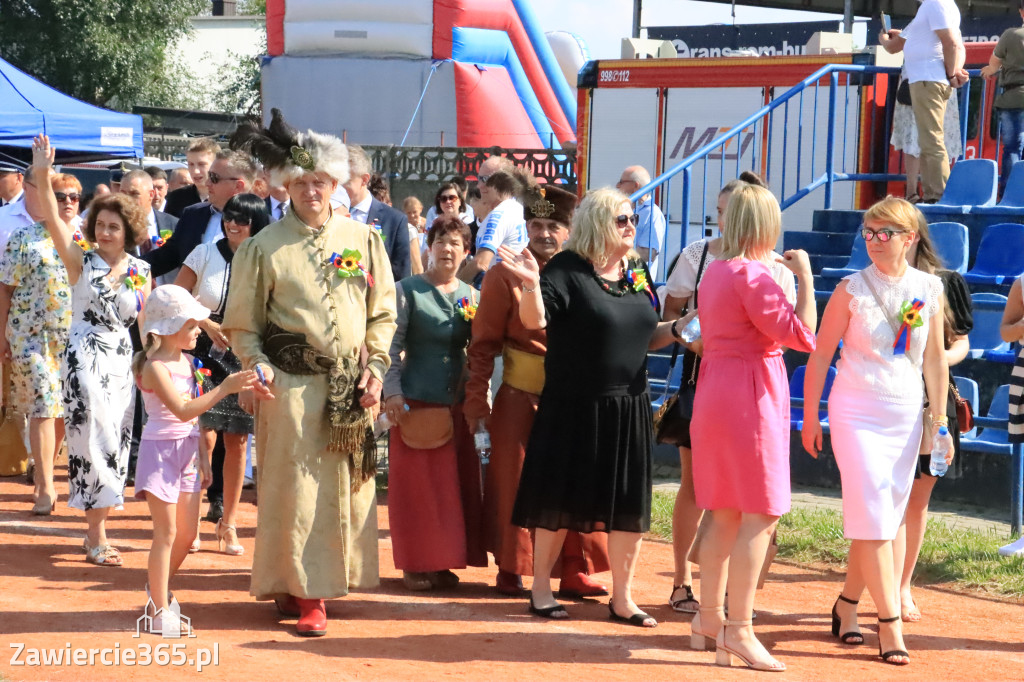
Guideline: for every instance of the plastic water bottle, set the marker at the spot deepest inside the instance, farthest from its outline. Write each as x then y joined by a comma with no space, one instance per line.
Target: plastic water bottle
691,332
938,465
384,423
482,441
218,353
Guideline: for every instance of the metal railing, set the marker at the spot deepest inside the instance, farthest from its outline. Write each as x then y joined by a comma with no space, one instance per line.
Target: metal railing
808,156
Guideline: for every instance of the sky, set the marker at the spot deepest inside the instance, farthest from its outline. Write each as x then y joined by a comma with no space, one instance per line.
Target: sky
604,23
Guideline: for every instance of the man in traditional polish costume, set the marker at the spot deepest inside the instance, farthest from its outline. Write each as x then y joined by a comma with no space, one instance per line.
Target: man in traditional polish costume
497,330
307,295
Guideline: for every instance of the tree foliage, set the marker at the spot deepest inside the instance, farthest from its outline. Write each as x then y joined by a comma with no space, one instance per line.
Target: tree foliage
114,53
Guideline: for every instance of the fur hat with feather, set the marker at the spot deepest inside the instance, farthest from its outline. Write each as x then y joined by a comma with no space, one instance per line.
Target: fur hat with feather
288,154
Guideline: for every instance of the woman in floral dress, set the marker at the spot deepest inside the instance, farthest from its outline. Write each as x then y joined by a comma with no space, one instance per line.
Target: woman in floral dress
36,285
108,288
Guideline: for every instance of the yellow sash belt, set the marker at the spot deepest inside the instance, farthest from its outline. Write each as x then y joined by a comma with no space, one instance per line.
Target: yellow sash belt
523,370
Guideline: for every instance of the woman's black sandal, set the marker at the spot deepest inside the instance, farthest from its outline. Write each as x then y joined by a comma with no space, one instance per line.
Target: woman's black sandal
685,605
890,656
853,637
556,612
638,619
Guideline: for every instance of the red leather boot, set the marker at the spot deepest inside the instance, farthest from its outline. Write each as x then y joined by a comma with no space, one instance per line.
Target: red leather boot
578,584
312,618
509,584
287,606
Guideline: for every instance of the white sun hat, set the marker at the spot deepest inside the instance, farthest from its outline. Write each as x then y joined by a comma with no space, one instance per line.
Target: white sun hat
168,308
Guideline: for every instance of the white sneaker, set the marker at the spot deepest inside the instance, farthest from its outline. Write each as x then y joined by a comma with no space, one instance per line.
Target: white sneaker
1013,549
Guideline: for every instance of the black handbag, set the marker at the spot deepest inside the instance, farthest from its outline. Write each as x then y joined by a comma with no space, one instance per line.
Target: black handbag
672,420
903,92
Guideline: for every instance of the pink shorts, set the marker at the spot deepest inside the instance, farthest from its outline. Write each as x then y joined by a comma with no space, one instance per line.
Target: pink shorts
168,468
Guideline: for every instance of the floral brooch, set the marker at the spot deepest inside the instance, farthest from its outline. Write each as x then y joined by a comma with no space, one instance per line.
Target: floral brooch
80,239
162,239
910,319
637,279
302,158
198,373
136,282
348,265
466,308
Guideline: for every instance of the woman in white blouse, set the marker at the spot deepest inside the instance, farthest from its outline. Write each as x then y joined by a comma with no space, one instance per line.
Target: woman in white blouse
207,274
680,291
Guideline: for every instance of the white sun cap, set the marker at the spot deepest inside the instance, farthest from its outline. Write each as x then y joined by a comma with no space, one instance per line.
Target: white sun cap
167,310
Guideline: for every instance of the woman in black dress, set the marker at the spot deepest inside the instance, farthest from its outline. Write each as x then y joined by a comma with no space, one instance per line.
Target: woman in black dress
588,462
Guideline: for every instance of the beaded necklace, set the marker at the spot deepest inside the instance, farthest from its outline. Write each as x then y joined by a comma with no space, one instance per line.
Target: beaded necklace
617,288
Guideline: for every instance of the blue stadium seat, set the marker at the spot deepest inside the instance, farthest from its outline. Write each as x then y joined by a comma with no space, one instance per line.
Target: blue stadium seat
950,240
972,183
1000,257
859,260
796,390
968,389
1012,202
984,337
992,440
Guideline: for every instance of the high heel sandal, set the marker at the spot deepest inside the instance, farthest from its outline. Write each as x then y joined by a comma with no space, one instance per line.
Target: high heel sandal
853,637
223,544
724,655
699,639
890,656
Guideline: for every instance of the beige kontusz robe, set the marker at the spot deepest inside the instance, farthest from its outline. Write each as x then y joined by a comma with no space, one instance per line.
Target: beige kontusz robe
315,537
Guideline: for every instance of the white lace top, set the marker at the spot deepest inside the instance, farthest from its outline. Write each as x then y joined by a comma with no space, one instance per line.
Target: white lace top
867,362
681,282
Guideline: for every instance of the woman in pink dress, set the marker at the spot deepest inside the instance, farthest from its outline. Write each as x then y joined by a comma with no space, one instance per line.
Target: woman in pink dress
740,425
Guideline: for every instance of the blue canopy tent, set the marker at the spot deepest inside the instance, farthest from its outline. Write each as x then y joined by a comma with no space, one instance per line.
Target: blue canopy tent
78,131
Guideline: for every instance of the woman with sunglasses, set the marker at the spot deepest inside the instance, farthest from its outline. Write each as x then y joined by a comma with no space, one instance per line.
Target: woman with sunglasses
35,316
889,317
207,274
588,462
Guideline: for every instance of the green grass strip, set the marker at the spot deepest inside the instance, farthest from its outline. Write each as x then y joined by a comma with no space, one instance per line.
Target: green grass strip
964,557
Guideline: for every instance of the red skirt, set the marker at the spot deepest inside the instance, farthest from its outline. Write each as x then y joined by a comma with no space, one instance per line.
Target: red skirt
434,505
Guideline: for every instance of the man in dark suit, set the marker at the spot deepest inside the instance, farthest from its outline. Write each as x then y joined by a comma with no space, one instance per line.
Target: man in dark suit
138,184
391,223
231,173
200,157
277,203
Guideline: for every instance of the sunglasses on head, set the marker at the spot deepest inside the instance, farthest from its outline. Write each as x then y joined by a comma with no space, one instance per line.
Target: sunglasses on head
621,221
237,218
884,235
214,178
69,196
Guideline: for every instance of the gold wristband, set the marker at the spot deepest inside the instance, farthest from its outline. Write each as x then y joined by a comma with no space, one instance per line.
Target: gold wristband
941,419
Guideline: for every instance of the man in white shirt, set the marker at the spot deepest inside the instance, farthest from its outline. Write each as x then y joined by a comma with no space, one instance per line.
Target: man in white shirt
505,224
11,184
277,203
650,226
933,60
16,214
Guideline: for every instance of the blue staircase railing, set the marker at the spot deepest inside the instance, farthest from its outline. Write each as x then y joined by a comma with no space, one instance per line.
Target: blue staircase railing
809,176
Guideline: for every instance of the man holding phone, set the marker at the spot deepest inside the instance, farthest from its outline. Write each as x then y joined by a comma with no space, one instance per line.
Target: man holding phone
934,62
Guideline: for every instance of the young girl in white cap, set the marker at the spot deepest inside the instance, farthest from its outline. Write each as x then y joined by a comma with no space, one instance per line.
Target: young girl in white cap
171,473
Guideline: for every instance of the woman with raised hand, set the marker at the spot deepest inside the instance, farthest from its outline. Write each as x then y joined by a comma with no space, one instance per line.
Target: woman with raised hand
889,317
206,274
740,424
588,463
434,504
108,289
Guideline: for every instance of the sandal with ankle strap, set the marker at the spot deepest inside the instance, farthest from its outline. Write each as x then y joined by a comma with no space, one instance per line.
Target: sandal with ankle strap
890,656
685,605
103,555
699,639
724,655
853,637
